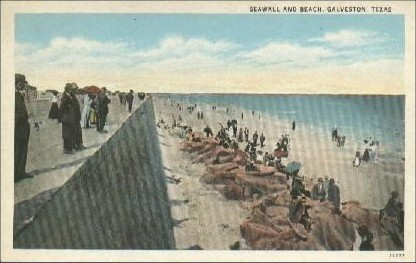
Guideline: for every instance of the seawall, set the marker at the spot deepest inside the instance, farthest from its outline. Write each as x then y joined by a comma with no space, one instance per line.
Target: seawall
116,200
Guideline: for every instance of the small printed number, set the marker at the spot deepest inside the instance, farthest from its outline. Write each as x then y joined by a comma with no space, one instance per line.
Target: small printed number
396,255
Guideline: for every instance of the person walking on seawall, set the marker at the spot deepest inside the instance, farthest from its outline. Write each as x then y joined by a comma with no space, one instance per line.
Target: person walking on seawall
21,130
129,98
68,119
293,125
103,102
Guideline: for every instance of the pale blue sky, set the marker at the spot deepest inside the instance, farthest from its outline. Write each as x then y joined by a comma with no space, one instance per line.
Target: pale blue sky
221,50
146,30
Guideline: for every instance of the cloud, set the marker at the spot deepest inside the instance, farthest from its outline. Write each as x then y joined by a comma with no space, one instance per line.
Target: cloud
349,37
178,47
180,62
286,54
71,52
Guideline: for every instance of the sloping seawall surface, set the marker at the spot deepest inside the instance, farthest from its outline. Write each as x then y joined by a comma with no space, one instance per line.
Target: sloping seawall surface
116,200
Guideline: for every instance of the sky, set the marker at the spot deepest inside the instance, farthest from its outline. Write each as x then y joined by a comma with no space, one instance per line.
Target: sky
213,52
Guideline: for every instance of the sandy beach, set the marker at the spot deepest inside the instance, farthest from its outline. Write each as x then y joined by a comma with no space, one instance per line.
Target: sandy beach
370,184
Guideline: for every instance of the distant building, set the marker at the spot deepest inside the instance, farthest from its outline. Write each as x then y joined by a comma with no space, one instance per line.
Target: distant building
31,93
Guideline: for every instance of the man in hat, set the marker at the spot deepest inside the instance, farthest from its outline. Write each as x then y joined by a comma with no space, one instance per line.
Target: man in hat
102,111
129,99
334,195
70,119
21,130
298,187
318,191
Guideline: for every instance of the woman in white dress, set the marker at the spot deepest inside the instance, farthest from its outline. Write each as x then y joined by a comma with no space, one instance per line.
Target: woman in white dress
86,110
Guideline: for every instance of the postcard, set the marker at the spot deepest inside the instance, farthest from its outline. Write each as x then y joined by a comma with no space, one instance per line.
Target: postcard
208,131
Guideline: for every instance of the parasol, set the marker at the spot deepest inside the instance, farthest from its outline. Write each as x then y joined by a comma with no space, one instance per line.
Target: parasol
92,89
292,167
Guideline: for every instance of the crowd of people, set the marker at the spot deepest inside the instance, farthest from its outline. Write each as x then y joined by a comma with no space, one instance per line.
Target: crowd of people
325,189
75,109
95,111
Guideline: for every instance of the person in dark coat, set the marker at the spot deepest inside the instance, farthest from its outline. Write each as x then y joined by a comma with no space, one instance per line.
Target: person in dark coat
79,145
21,131
262,139
208,131
298,187
293,125
255,137
240,135
246,133
234,130
68,118
392,208
129,98
318,191
334,194
102,109
71,120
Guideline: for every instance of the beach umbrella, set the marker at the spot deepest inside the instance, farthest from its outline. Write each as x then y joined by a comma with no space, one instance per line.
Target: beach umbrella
92,89
292,167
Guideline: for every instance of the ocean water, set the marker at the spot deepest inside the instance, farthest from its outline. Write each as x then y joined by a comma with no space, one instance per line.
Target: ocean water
358,117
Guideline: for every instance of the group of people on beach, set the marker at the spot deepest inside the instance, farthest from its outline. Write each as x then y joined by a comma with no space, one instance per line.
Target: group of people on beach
371,148
370,154
337,137
325,189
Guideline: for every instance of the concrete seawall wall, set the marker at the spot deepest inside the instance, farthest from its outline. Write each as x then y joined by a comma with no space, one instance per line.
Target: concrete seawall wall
116,200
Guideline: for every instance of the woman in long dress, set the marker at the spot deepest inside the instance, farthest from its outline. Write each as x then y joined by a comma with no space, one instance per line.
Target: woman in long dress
86,110
54,111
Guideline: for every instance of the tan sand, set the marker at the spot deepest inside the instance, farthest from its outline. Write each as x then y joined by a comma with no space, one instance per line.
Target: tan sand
370,184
